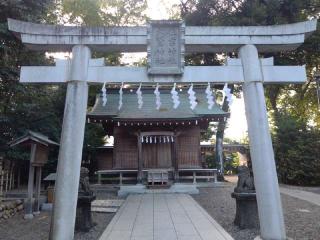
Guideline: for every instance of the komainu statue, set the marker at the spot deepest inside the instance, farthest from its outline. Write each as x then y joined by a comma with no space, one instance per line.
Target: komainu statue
246,202
85,197
84,185
245,181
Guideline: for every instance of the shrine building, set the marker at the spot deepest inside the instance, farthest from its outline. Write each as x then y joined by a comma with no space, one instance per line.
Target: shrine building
147,138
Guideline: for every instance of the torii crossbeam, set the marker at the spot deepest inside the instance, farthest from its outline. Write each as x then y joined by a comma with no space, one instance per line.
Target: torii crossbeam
166,43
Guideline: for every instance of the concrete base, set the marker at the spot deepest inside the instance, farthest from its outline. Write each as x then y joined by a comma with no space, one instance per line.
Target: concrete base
46,207
36,213
184,188
140,189
28,216
259,238
131,189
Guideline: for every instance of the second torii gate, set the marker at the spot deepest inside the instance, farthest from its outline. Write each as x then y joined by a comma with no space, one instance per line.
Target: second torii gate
166,43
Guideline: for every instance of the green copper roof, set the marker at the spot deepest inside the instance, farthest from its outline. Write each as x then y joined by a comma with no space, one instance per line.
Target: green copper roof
130,110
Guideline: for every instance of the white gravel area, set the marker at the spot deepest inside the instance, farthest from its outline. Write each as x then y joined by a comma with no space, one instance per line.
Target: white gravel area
302,218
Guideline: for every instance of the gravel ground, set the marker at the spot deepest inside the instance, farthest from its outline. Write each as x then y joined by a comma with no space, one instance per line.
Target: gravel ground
308,189
302,218
16,228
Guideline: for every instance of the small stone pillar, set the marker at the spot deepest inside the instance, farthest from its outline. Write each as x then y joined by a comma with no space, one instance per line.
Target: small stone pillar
245,195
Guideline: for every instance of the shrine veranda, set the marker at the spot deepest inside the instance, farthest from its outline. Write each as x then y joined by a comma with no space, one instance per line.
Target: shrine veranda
166,43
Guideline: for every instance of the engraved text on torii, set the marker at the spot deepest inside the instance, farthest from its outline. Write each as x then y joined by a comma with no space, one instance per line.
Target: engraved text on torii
165,47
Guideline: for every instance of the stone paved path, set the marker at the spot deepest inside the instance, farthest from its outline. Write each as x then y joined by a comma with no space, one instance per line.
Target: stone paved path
163,216
303,195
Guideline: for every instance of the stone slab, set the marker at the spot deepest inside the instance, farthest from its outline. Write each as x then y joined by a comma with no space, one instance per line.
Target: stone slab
163,216
104,209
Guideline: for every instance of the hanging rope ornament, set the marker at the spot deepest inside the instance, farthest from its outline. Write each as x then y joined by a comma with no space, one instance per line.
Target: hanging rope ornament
104,95
120,97
158,100
227,93
139,94
175,97
210,97
192,97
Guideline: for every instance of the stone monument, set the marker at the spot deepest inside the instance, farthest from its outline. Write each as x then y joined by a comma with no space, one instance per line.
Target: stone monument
85,197
246,201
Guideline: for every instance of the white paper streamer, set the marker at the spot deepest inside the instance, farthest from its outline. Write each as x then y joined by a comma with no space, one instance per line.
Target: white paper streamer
139,94
210,97
175,97
104,94
192,97
227,93
158,100
120,97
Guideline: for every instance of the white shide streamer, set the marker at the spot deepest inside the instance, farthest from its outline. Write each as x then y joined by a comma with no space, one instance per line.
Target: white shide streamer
227,93
175,97
192,97
158,100
139,95
104,95
120,97
210,97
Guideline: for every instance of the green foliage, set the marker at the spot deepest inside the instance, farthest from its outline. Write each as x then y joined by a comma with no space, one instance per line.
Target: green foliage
211,162
105,12
23,106
296,157
231,163
297,152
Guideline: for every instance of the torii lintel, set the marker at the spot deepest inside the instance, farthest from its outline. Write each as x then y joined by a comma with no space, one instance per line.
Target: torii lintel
134,39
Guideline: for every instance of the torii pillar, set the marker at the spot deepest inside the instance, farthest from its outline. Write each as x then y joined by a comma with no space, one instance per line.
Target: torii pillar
263,163
71,143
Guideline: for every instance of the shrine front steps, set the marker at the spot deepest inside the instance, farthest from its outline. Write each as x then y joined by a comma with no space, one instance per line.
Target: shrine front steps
174,188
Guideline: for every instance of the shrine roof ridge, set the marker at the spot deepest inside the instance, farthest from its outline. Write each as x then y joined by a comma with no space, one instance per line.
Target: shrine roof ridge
134,39
33,136
130,110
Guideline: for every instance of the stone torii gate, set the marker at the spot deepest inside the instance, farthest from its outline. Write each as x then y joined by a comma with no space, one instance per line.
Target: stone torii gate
166,43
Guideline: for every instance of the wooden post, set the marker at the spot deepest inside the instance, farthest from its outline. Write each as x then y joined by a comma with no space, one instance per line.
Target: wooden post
7,180
11,183
28,210
140,164
175,159
194,174
38,191
19,177
215,176
120,179
1,180
99,178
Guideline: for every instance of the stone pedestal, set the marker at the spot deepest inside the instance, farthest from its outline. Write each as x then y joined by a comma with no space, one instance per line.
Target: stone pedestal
83,217
246,210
